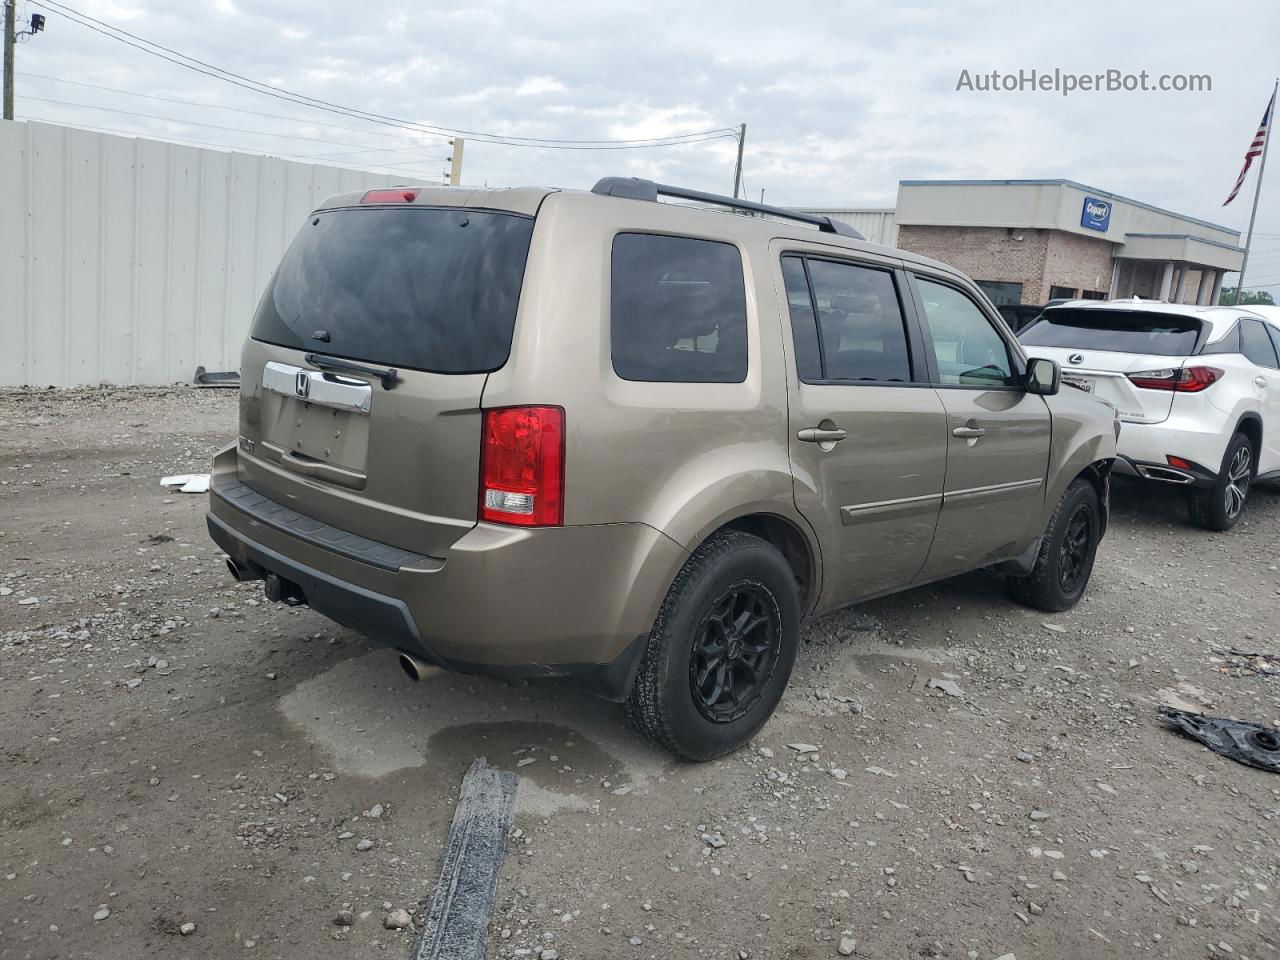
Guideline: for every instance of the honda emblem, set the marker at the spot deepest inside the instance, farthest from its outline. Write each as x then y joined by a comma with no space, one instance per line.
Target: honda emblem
1075,358
302,385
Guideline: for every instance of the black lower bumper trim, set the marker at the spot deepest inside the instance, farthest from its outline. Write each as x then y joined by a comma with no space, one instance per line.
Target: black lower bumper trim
381,618
387,620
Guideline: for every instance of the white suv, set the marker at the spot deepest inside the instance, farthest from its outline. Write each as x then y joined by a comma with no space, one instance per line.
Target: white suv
1196,388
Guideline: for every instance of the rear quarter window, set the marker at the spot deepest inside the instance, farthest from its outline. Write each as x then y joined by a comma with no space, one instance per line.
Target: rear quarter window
424,288
678,310
1120,331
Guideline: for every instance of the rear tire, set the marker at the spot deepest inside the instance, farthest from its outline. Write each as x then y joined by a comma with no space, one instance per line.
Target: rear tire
1219,507
721,650
1064,562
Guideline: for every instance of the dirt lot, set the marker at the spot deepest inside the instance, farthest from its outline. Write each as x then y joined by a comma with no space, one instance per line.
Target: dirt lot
178,751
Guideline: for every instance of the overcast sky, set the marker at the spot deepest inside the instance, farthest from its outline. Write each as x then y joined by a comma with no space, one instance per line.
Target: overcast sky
841,100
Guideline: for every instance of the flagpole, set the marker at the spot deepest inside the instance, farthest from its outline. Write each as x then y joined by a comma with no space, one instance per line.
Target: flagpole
1257,192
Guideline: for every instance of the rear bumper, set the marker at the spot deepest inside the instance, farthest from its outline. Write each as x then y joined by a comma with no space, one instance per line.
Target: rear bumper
563,601
1144,449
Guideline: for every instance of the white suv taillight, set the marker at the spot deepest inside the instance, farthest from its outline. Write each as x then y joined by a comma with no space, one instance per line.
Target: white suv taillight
1177,379
522,466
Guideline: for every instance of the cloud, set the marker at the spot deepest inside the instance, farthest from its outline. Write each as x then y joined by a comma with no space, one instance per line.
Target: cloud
841,100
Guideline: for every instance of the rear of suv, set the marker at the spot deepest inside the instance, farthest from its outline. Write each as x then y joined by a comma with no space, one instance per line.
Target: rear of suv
532,433
1195,387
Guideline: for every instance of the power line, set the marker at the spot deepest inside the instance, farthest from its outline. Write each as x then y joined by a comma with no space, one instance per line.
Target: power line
214,126
216,106
187,140
280,93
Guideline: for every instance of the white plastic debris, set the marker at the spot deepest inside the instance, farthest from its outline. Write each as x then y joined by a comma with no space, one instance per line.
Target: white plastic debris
187,482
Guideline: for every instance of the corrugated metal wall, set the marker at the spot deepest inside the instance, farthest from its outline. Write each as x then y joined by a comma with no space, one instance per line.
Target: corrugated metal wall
131,261
876,225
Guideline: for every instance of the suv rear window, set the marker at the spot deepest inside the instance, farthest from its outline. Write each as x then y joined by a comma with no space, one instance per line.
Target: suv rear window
426,288
1121,331
678,310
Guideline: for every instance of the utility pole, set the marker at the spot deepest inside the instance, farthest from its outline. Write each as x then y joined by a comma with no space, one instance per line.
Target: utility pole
1257,191
455,161
10,40
737,171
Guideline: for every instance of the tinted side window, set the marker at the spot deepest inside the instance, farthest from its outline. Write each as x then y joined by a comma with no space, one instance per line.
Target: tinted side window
1275,338
968,349
1230,343
1256,345
860,323
804,326
678,310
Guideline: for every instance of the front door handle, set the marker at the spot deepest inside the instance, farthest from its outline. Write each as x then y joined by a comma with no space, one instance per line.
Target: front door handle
968,433
821,435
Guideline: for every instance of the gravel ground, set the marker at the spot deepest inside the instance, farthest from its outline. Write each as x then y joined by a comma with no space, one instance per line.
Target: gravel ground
188,770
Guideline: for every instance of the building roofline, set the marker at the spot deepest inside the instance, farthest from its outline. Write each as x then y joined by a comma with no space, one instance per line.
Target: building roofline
832,207
1187,236
1066,183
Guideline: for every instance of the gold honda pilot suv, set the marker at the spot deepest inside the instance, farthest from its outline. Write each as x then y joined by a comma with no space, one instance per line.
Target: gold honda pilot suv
542,433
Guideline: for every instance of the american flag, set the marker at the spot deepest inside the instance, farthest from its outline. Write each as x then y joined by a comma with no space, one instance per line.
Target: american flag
1255,148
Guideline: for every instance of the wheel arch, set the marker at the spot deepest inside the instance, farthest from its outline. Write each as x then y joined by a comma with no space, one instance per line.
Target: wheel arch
1098,474
792,542
1250,424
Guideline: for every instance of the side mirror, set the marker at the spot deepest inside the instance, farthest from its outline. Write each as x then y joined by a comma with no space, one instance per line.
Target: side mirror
1043,376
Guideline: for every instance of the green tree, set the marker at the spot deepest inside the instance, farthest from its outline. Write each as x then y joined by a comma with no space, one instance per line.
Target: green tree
1250,296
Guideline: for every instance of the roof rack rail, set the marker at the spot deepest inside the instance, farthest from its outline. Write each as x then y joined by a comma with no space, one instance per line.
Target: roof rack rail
634,188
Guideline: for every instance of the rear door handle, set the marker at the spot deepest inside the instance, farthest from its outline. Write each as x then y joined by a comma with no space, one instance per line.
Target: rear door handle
968,433
821,435
1260,381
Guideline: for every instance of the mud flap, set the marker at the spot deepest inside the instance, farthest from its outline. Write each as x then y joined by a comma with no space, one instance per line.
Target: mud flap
1247,743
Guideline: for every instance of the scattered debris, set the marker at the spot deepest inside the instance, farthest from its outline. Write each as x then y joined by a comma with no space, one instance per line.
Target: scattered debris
227,380
1248,743
803,747
187,482
397,920
949,687
1242,663
456,917
847,946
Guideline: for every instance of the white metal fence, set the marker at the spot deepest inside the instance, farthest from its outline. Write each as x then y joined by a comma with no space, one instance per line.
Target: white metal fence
130,261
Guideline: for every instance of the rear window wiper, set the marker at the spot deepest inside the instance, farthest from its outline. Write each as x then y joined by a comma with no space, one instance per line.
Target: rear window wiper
389,377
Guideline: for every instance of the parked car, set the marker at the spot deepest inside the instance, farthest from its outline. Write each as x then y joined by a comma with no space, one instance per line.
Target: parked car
1197,389
540,433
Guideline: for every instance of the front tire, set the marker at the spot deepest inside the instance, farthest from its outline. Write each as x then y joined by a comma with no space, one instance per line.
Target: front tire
1064,562
1219,507
721,650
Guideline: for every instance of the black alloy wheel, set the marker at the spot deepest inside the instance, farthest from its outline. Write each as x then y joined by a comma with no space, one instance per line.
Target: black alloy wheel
735,651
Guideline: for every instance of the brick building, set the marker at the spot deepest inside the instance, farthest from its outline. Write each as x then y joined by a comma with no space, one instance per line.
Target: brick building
1029,241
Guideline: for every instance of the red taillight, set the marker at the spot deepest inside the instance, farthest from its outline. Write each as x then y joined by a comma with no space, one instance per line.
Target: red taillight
1179,380
1178,462
522,466
394,195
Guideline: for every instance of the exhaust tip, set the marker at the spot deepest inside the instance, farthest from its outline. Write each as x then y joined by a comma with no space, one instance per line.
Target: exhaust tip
238,572
410,667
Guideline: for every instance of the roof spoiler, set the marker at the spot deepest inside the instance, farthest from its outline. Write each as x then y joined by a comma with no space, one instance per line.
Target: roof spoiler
634,188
